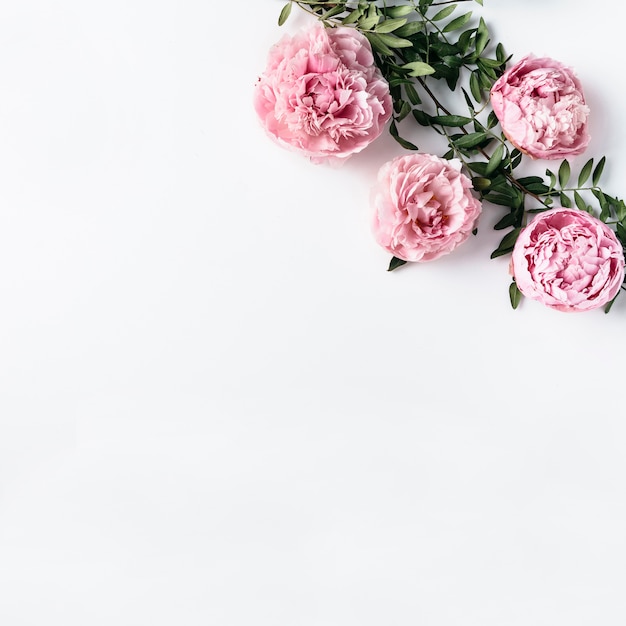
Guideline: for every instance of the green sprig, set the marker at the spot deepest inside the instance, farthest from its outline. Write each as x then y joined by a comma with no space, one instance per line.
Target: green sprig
421,45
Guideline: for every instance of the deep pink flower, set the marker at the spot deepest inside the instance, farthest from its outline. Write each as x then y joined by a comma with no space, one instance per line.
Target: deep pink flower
541,108
568,260
321,94
424,207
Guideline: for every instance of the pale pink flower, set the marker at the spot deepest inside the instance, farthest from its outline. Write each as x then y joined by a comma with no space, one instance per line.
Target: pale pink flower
321,94
541,108
568,260
424,207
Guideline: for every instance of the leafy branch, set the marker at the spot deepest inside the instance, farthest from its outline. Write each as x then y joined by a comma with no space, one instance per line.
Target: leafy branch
421,44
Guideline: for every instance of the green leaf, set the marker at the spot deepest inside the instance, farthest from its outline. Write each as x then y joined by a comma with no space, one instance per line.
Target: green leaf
486,75
378,44
501,54
399,11
284,14
451,120
389,26
449,10
503,184
477,166
452,61
538,188
507,243
495,159
368,22
395,81
489,63
393,131
412,94
464,40
352,17
598,194
585,172
419,68
402,108
515,295
516,158
503,200
457,22
564,173
421,117
565,201
475,86
471,140
445,48
605,212
395,263
534,184
529,180
450,74
482,36
336,10
468,100
394,42
580,203
597,173
492,120
608,306
409,29
508,220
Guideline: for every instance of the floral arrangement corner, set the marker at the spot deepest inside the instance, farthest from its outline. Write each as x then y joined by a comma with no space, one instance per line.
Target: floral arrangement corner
362,68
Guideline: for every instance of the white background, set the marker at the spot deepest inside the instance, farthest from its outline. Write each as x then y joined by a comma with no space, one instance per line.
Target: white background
217,408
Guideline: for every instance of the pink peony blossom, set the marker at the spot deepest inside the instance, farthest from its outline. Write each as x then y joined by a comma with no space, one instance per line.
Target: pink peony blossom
568,260
424,207
321,94
541,108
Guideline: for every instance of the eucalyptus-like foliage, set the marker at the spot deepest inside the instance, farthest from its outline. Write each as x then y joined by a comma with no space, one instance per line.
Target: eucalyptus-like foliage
424,47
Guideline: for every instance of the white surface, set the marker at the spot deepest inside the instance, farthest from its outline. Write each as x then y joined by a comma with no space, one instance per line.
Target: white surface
217,407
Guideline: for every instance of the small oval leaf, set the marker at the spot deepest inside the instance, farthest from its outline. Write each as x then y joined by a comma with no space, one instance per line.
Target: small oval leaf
419,68
597,173
284,14
564,173
449,10
515,295
584,173
495,159
396,263
389,26
457,22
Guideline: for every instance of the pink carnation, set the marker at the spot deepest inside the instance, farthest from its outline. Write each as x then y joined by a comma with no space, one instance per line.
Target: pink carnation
322,94
568,260
541,108
424,207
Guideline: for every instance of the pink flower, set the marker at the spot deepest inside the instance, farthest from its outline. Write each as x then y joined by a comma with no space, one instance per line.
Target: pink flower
568,260
424,207
541,108
321,94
